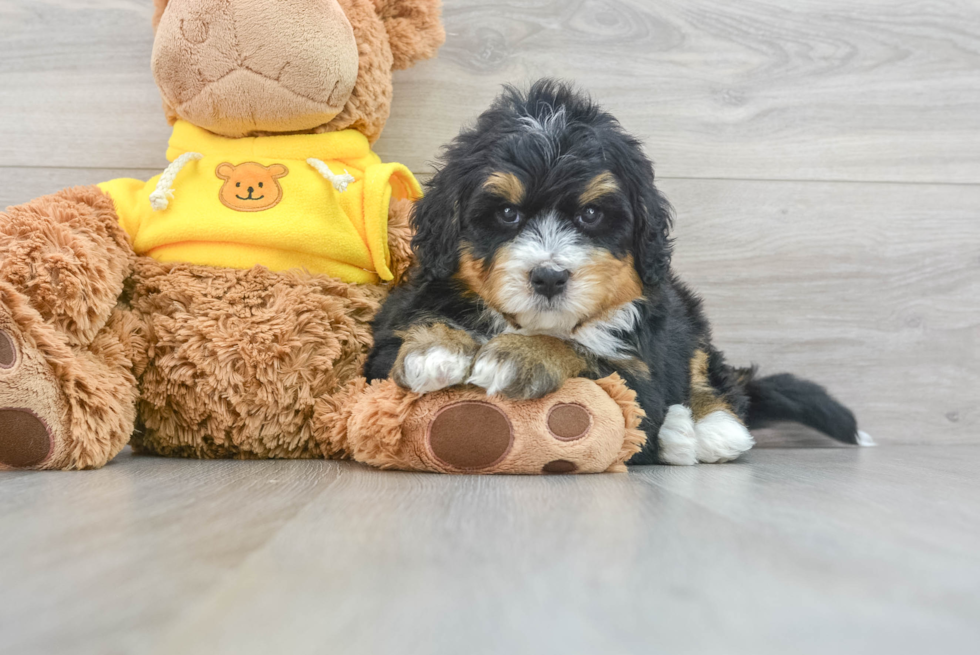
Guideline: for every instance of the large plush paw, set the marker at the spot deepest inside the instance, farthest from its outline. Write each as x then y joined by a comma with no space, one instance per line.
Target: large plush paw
585,427
433,357
525,367
33,421
715,438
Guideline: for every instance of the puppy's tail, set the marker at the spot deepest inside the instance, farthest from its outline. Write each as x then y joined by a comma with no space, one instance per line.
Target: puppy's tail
785,397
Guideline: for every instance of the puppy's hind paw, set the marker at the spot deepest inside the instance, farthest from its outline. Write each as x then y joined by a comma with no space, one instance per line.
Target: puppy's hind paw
721,438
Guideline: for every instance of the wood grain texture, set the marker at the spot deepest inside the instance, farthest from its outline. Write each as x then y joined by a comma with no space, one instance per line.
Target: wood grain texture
23,184
100,564
821,90
825,89
808,551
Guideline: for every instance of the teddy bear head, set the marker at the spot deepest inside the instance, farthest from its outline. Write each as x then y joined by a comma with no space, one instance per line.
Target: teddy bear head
255,67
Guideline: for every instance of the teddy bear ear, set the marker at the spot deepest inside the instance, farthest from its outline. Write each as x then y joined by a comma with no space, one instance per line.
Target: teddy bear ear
224,171
414,29
158,7
278,170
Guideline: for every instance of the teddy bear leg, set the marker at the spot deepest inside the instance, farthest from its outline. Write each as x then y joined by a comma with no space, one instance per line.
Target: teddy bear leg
584,427
67,391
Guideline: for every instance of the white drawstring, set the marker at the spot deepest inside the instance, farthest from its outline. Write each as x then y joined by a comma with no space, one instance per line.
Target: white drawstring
160,199
339,182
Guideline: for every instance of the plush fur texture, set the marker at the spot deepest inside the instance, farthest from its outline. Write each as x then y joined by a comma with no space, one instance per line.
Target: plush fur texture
68,255
414,30
63,260
236,68
84,395
240,358
350,62
544,223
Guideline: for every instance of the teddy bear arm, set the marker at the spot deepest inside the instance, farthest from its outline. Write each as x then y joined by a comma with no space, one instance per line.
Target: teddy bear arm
67,385
67,253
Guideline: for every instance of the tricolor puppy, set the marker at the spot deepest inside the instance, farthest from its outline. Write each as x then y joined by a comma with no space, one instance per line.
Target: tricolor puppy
543,254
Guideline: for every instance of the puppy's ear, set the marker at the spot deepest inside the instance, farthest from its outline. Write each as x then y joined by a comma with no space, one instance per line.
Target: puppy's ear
435,219
652,246
652,214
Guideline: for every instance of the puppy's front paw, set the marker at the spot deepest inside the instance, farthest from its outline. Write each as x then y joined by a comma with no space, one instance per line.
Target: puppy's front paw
433,357
525,367
678,440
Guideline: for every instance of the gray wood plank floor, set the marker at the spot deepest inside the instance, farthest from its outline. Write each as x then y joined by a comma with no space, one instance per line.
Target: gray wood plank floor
840,550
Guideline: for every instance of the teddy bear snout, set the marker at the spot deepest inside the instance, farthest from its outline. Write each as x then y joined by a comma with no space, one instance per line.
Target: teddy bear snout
237,67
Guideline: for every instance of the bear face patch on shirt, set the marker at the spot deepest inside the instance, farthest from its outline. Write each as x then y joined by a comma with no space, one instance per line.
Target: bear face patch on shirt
250,187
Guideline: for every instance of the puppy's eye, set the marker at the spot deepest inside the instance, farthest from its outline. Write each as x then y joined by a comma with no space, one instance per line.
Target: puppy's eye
589,217
509,216
261,184
238,184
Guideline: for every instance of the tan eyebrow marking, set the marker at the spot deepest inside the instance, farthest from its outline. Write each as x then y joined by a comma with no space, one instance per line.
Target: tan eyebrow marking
602,184
507,186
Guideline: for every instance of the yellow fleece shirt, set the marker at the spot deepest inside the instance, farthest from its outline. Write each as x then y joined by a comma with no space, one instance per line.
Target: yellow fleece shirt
237,203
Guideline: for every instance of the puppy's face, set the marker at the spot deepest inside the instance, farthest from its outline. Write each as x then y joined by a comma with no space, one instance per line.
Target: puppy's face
550,254
547,211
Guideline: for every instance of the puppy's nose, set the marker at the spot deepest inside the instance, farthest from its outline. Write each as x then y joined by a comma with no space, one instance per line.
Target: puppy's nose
250,190
549,282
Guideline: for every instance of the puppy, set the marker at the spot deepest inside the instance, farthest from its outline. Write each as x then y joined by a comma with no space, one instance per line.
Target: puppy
543,253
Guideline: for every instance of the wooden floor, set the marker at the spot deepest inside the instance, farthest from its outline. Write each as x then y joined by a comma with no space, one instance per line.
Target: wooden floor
839,550
823,157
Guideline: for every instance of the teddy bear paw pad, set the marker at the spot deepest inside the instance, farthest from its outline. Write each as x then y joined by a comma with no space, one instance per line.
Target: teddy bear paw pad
8,351
559,466
470,436
24,439
568,422
30,402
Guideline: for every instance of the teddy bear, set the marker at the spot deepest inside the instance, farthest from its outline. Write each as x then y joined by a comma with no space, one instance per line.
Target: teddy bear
222,309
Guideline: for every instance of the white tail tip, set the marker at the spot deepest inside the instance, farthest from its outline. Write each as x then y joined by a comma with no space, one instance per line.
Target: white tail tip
864,439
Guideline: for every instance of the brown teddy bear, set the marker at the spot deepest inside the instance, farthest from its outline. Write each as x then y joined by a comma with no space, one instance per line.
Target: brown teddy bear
222,309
